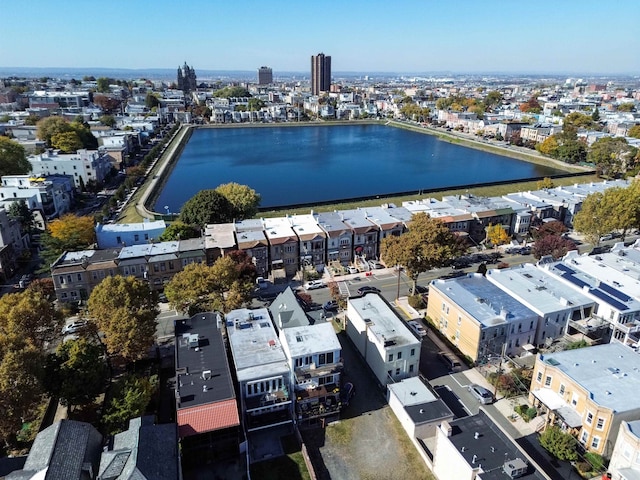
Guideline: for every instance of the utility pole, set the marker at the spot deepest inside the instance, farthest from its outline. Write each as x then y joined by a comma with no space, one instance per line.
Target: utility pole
398,290
495,386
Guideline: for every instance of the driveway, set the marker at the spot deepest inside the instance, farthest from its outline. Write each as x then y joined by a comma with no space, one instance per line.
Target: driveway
368,441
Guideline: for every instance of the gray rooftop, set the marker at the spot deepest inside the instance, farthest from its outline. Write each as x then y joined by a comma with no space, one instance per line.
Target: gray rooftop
310,339
482,300
491,448
206,353
149,250
332,223
256,349
420,403
535,288
287,312
610,373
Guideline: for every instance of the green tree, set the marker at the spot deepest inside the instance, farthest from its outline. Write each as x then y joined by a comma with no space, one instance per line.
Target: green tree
634,131
559,444
108,120
205,207
594,218
13,159
611,155
178,231
67,142
228,92
493,99
224,286
151,101
428,244
626,107
130,397
595,116
244,199
124,310
579,120
255,104
49,126
20,211
102,84
76,372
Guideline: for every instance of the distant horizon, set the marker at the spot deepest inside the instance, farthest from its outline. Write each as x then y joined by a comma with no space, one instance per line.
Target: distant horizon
570,37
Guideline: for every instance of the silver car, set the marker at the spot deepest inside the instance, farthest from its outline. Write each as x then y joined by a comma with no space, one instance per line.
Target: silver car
484,396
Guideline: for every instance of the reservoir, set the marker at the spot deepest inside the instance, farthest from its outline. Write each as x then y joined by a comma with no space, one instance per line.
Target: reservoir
300,165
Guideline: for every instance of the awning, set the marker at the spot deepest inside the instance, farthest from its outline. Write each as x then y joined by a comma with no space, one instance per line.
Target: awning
555,403
277,262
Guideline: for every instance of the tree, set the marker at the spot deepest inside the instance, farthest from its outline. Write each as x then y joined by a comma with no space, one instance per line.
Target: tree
578,120
205,207
131,396
255,104
102,84
107,103
28,318
108,120
611,155
76,372
595,116
73,231
555,228
13,159
493,99
244,199
594,219
497,235
43,286
553,245
124,310
48,127
178,231
634,131
531,106
559,444
67,142
20,211
428,244
224,286
20,388
151,101
626,107
228,92
546,183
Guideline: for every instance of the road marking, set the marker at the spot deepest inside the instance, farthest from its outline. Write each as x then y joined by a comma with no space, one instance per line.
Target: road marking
456,380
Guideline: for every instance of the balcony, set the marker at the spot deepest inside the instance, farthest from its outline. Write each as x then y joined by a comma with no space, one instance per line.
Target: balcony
306,373
312,394
267,400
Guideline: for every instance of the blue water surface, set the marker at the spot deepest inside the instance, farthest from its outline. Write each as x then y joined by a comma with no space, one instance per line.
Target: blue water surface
289,166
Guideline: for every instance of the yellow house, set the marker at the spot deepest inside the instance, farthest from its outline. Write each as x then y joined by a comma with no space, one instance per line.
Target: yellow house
479,318
588,392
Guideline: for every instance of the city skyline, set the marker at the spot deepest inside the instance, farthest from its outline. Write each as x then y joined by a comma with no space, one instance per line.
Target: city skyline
571,37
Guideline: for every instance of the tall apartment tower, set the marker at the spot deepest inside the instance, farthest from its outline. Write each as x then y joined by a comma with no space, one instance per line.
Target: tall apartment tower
265,76
320,73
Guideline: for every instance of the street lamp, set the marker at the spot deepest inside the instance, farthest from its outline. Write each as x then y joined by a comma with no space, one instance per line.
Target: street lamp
166,207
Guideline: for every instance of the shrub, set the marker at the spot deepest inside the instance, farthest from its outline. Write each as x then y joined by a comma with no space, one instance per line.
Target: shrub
416,301
596,461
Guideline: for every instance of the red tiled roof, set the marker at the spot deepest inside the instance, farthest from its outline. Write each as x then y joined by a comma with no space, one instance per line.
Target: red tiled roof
206,418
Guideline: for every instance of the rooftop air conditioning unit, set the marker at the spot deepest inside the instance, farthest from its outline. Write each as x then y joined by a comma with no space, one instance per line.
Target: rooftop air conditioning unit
515,468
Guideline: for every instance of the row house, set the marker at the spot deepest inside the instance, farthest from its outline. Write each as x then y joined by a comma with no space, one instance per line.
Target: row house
252,240
312,238
538,133
12,243
219,240
262,370
588,392
616,296
83,166
365,233
625,459
388,225
51,196
339,237
76,274
484,212
480,319
388,347
314,355
58,100
284,246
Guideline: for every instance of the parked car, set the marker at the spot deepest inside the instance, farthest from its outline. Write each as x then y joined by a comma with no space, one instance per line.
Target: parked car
367,289
452,363
74,327
352,269
606,238
484,396
330,306
417,328
313,285
348,391
375,265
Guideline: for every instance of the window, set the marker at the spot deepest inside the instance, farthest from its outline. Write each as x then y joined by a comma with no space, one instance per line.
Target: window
79,277
547,380
584,437
595,442
330,357
413,352
561,392
391,357
600,423
410,368
136,237
399,355
389,372
397,371
539,377
322,359
298,362
589,418
574,400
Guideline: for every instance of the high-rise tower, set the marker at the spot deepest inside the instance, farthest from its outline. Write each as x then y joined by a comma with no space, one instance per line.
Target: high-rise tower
265,76
320,73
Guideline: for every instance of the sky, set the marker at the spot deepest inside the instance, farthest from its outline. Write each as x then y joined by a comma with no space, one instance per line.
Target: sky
366,36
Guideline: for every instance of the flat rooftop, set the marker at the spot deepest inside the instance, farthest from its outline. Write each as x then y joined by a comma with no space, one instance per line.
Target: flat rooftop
386,325
610,373
201,362
483,300
256,350
311,339
481,442
538,290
